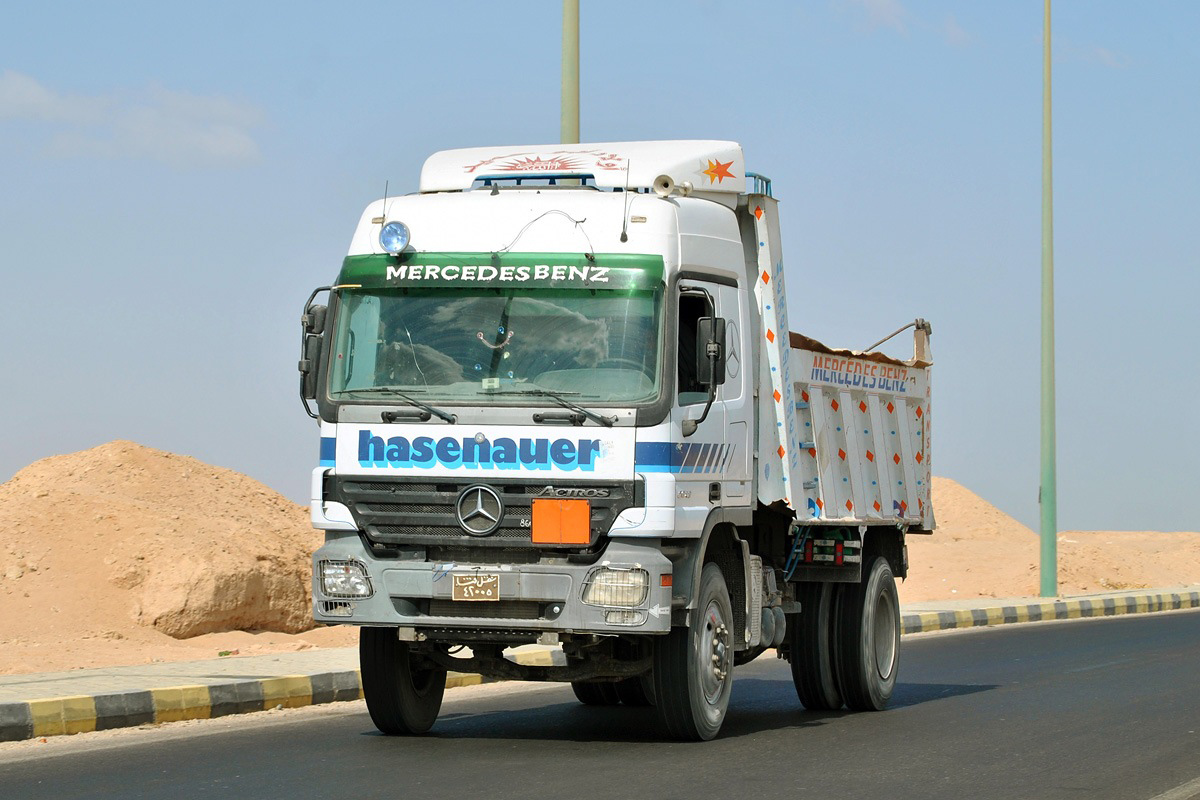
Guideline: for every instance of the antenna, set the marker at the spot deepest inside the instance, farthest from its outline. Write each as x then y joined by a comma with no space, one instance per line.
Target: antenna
382,218
625,205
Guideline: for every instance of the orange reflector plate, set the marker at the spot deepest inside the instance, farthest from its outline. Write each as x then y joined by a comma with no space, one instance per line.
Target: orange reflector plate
558,521
666,580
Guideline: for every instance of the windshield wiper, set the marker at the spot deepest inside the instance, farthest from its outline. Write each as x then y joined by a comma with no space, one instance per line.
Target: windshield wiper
412,401
562,401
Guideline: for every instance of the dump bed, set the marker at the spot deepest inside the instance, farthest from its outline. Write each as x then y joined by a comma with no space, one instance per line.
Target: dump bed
863,421
844,436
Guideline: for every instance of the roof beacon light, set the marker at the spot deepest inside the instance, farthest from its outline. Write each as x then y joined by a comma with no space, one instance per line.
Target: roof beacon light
393,237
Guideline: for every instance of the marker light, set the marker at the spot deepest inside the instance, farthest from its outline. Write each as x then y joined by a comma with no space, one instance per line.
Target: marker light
393,237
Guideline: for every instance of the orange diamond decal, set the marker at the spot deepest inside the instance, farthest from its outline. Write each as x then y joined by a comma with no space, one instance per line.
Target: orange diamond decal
834,404
778,396
891,408
770,335
896,457
758,212
766,278
841,454
812,451
862,406
903,506
870,456
919,457
849,506
820,505
877,505
804,396
918,412
781,451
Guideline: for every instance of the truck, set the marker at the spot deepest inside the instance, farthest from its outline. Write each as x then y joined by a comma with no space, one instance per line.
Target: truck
560,404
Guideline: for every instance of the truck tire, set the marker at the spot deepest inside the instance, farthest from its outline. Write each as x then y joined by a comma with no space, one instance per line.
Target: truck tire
810,639
403,692
638,692
693,665
596,693
867,646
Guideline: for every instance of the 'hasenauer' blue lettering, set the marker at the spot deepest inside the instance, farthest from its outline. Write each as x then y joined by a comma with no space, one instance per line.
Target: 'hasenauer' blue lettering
424,452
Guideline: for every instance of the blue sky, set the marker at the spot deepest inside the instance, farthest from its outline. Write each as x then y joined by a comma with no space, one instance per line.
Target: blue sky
175,179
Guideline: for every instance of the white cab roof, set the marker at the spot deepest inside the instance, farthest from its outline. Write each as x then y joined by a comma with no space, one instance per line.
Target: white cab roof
710,166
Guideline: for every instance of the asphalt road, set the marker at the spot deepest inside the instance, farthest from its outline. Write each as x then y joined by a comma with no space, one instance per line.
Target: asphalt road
1104,708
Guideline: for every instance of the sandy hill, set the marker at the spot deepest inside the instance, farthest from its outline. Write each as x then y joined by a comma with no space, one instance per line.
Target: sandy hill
979,551
121,549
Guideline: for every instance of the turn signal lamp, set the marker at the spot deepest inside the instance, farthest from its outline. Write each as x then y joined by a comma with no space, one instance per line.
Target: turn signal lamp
394,237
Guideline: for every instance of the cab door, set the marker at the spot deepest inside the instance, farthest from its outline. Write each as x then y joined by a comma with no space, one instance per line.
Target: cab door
697,458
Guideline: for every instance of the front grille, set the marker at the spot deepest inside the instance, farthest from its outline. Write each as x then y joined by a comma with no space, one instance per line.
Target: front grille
393,511
505,609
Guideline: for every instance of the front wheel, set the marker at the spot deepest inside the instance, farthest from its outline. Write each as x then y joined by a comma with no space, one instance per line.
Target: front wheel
403,691
693,666
867,649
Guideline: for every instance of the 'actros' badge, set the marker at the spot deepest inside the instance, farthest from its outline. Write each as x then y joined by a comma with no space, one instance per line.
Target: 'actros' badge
479,510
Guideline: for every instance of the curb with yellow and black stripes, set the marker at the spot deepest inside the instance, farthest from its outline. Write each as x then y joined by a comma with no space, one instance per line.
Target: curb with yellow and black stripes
1081,608
85,713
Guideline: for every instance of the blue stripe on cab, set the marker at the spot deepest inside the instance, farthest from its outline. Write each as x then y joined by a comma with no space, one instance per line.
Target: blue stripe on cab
328,451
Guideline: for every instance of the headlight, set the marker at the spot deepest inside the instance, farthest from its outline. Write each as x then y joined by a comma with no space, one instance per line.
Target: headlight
344,579
393,237
626,588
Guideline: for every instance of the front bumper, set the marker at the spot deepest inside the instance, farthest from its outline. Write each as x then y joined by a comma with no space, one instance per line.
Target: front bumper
534,598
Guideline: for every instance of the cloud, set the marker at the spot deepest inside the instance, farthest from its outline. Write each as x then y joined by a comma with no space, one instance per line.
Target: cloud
157,124
1067,51
954,34
1106,57
882,13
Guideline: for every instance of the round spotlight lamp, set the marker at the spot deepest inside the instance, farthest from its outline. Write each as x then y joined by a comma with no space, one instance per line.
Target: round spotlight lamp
393,237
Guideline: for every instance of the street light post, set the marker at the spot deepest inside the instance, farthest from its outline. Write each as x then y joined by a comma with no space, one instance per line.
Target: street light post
1048,494
570,72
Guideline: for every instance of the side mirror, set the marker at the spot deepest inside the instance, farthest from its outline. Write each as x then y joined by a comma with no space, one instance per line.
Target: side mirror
710,351
308,366
312,339
313,319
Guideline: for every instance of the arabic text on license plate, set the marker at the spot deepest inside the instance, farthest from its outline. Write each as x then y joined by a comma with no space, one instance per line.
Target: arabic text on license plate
475,587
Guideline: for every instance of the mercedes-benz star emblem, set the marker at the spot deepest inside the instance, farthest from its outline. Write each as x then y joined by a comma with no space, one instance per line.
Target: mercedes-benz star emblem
479,510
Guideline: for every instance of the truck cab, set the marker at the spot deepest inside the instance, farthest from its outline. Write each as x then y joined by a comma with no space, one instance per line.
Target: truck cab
556,405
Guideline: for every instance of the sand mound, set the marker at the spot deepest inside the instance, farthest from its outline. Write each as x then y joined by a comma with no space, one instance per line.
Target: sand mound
979,551
99,542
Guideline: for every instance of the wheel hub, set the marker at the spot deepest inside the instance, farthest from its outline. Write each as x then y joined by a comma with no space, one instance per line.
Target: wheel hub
714,654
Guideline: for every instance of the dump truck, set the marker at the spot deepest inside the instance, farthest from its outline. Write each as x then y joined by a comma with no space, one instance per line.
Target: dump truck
560,403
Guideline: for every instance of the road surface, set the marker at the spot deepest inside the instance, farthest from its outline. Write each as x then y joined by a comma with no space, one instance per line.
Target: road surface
1105,708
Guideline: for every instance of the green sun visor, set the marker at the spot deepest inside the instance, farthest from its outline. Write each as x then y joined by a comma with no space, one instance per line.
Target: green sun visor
619,271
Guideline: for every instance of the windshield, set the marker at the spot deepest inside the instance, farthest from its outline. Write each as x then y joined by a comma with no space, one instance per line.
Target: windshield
492,346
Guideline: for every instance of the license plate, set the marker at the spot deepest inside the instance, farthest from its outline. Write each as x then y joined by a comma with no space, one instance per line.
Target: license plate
475,587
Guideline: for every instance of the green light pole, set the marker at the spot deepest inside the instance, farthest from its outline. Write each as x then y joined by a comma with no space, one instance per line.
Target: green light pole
1048,495
570,72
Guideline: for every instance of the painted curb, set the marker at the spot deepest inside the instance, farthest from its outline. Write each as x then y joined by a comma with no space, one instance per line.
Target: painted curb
84,713
1082,608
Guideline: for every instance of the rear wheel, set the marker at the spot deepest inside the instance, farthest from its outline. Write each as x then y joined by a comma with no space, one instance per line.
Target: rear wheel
867,652
403,690
693,666
810,635
596,693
